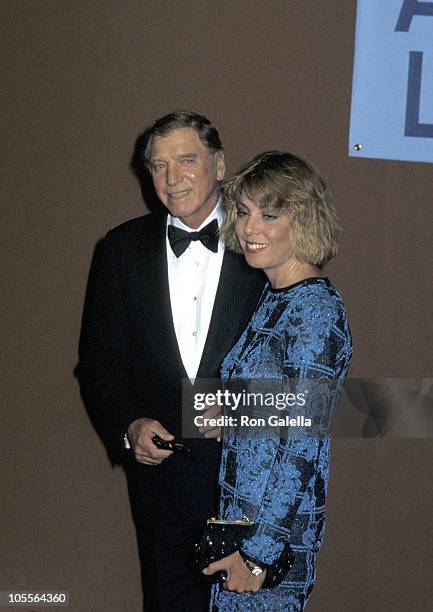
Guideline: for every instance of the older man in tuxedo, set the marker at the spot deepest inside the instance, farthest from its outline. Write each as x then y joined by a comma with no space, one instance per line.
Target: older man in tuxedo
165,301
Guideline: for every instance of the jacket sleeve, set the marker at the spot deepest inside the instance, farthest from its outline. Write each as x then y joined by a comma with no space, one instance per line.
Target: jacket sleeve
102,369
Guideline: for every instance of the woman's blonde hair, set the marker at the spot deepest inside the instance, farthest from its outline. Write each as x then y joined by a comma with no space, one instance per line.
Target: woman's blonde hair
285,182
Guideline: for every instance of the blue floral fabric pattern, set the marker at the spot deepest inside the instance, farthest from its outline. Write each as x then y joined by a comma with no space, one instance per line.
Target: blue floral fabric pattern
300,334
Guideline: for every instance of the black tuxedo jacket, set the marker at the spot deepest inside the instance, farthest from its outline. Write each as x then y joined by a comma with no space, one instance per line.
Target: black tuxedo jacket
130,365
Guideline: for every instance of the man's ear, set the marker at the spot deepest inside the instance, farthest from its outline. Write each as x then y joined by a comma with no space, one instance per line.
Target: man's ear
220,165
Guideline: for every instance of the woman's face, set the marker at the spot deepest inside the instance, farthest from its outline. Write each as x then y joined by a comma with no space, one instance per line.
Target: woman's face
264,235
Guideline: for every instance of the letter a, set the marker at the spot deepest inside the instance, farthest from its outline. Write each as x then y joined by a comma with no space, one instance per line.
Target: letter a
409,9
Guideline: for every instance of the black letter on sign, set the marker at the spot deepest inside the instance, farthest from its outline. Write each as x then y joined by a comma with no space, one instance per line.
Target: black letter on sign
413,127
408,10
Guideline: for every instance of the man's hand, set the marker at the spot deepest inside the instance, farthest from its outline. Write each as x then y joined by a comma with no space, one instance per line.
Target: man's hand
140,434
211,431
239,577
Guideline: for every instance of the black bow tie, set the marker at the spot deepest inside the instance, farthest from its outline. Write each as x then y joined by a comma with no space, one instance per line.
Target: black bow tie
180,239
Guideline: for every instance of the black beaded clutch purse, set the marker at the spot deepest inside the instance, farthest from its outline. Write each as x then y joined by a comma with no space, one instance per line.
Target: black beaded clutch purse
221,538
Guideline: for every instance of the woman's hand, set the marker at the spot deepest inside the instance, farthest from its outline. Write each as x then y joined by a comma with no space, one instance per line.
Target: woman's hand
239,577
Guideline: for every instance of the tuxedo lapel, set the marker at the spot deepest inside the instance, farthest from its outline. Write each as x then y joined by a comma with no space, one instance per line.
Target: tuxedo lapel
152,277
237,294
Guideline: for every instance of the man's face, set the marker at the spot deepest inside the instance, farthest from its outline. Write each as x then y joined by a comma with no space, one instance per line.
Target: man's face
185,175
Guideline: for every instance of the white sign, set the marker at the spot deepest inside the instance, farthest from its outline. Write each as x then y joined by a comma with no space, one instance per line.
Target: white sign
392,92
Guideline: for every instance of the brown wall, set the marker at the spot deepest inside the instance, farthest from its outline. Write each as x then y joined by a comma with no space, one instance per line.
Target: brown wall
80,81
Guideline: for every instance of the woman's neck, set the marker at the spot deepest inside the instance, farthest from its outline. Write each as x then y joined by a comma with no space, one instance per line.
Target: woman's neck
293,272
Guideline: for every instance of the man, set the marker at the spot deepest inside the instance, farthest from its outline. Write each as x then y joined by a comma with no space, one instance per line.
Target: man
165,301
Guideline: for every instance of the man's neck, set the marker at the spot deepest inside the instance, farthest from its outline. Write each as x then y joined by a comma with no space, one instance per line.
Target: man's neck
215,213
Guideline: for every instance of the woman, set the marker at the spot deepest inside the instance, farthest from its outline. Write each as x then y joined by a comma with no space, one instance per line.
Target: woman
281,216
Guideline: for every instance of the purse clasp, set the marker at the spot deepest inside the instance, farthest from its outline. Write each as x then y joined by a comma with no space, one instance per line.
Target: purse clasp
244,521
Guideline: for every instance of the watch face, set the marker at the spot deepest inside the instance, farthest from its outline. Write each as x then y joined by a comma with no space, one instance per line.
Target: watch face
254,569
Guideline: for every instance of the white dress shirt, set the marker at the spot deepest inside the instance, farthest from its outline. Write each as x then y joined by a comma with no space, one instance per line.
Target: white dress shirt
193,280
